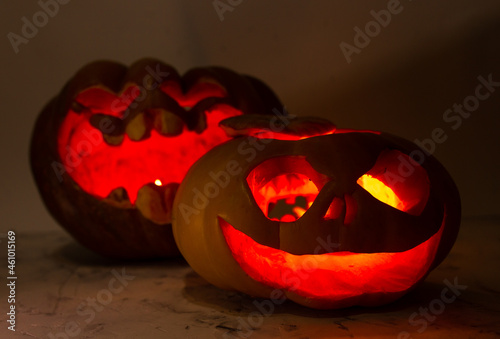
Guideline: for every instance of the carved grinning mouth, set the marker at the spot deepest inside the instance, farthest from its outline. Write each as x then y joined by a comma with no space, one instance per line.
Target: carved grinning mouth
335,275
331,276
143,156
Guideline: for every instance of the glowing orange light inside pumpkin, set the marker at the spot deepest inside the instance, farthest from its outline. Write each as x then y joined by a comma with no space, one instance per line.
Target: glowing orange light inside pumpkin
397,180
299,211
334,277
100,168
158,182
287,186
380,191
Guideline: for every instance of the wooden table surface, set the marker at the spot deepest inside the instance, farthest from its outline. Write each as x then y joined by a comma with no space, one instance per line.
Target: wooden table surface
65,291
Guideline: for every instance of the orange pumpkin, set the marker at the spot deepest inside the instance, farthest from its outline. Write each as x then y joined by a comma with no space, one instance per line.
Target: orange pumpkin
109,152
329,218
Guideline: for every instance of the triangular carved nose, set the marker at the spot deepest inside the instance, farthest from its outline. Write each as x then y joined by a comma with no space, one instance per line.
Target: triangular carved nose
308,234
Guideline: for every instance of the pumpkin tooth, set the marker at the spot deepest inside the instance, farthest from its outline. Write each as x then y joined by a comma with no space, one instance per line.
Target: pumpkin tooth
119,198
111,128
169,195
137,128
113,140
150,202
167,123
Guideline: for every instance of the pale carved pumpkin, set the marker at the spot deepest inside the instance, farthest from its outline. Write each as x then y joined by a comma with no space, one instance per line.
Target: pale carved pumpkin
328,218
109,152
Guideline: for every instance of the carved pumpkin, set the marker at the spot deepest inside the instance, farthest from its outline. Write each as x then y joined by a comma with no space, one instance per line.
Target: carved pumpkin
109,151
364,216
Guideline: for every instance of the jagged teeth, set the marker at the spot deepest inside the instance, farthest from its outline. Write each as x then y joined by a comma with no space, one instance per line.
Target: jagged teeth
155,202
110,127
167,123
119,198
139,122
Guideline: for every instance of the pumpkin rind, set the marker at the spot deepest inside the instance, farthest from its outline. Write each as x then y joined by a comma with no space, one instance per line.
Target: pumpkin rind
200,230
113,226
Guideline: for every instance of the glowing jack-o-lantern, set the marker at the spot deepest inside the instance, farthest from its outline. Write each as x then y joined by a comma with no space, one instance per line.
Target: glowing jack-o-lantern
328,218
109,152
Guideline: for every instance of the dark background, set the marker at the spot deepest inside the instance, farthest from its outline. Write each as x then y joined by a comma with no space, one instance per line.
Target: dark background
426,59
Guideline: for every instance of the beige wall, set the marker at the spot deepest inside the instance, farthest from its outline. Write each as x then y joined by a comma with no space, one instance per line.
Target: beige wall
426,59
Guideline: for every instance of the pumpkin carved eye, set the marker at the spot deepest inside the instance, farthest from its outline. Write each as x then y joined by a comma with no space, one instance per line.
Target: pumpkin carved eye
285,187
361,225
398,181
